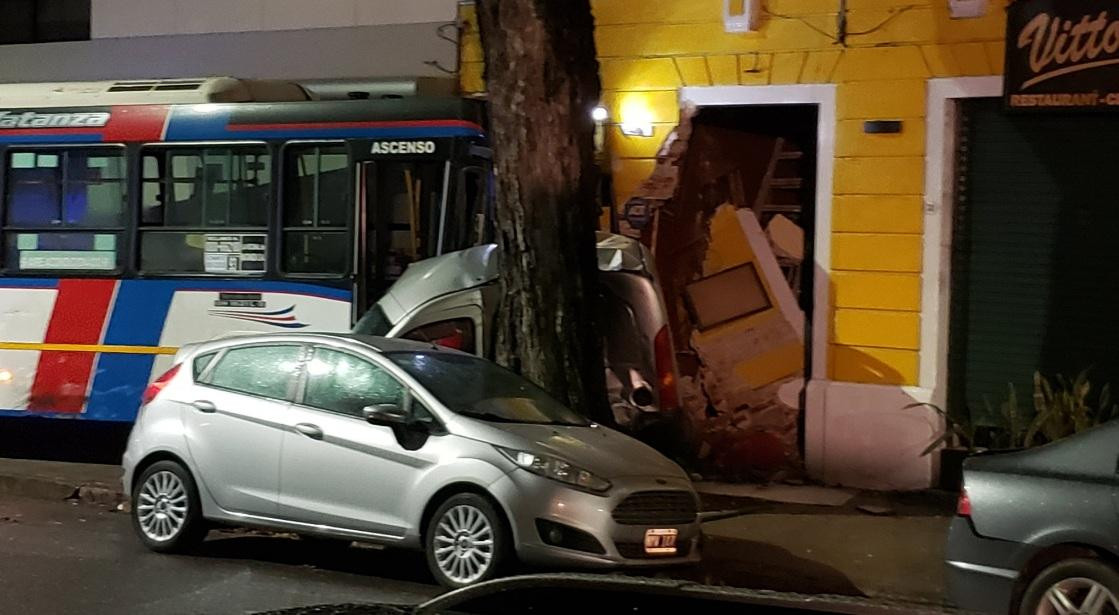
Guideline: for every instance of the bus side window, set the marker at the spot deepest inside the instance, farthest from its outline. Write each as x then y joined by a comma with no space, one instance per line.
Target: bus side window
64,209
317,210
205,210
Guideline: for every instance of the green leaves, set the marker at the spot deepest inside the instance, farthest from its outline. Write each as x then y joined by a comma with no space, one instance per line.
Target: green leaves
1061,407
955,434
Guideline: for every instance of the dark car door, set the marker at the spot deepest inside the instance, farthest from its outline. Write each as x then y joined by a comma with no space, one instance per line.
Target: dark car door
1115,500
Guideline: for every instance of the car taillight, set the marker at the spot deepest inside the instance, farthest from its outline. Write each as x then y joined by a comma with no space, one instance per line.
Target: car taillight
456,341
157,385
666,369
963,505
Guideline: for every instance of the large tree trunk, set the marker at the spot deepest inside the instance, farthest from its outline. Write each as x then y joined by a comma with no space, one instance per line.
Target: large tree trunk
542,79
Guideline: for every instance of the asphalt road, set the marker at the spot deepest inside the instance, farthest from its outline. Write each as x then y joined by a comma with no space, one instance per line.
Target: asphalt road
63,557
60,557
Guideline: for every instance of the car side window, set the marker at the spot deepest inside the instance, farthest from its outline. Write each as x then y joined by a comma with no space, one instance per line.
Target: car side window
345,383
267,371
201,363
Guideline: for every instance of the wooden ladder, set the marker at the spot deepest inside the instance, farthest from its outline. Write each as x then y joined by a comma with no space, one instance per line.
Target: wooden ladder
765,208
771,183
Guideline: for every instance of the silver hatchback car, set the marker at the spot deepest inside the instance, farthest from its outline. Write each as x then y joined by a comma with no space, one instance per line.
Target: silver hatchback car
398,443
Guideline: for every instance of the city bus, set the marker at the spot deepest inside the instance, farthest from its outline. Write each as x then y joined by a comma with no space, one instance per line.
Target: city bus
140,216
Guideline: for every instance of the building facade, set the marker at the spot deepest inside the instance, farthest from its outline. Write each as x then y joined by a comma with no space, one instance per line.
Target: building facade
943,248
87,40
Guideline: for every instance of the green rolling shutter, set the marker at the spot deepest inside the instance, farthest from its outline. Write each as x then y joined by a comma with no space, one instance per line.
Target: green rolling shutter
1035,278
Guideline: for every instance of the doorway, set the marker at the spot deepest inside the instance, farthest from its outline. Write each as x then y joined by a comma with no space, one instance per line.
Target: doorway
735,252
402,209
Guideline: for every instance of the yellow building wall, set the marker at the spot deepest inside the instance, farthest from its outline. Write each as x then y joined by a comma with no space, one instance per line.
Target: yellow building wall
648,49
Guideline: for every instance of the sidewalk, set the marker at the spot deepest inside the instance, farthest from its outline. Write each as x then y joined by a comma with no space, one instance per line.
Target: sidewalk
802,539
817,540
55,480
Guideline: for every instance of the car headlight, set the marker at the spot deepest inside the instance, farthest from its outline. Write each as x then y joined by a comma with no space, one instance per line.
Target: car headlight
557,469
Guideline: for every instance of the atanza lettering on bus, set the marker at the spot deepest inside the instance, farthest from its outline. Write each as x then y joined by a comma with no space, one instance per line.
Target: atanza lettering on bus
403,147
30,119
1062,53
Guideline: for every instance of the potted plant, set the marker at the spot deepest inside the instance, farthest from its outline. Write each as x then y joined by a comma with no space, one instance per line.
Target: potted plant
955,443
1061,407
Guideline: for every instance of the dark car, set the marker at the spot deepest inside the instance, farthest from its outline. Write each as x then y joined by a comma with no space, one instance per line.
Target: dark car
565,594
1038,530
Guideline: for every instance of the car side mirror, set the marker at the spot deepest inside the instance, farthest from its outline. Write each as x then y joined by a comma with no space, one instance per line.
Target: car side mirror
389,415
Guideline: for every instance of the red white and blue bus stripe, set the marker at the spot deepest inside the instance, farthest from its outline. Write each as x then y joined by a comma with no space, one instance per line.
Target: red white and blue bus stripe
216,122
103,337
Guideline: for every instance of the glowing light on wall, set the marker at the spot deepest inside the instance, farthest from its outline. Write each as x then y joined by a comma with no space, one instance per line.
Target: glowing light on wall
636,118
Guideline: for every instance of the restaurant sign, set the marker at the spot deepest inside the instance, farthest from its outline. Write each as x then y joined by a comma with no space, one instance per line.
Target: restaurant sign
1062,54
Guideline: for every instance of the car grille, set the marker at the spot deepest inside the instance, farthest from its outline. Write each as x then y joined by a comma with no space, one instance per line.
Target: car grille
657,508
636,550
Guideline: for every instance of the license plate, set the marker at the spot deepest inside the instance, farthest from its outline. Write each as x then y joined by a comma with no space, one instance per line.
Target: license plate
660,542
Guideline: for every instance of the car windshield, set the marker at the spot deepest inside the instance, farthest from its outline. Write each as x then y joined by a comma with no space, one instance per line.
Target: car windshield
477,388
374,322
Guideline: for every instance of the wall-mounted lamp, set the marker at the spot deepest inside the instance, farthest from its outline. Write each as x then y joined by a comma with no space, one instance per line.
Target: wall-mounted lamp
636,129
741,15
600,114
967,9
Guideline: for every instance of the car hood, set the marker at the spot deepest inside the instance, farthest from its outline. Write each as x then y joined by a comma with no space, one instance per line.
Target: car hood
1092,453
603,451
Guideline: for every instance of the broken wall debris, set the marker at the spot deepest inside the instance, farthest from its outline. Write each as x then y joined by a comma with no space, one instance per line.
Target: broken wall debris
722,214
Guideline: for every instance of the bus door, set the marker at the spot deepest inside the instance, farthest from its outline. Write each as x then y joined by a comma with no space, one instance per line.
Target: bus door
416,200
403,205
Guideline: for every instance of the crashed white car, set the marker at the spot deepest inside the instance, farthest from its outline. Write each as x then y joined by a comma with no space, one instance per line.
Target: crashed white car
451,300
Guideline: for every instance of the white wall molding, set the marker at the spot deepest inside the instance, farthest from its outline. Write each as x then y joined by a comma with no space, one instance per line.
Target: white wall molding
940,177
823,97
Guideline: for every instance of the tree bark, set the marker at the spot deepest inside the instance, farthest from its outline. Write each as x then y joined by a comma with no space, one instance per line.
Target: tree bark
542,79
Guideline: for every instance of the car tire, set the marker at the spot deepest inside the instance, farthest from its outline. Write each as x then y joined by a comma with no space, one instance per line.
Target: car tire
166,511
1072,580
467,541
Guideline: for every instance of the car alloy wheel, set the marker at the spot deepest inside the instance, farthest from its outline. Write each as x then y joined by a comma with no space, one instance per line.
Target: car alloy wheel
1078,596
467,540
166,511
1077,586
162,506
464,544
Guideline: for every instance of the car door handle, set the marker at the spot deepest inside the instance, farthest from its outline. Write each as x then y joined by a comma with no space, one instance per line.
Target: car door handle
311,431
202,405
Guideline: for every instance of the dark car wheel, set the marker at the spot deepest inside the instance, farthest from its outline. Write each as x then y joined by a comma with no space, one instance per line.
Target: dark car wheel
1072,587
467,541
166,512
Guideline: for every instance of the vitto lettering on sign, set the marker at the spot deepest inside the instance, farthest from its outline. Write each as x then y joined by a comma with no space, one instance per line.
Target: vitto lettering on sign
403,147
30,119
1062,54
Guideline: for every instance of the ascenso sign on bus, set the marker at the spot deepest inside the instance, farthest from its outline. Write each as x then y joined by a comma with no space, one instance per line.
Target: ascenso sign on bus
31,119
403,147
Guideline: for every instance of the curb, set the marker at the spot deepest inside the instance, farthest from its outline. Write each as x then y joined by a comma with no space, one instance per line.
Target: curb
48,489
